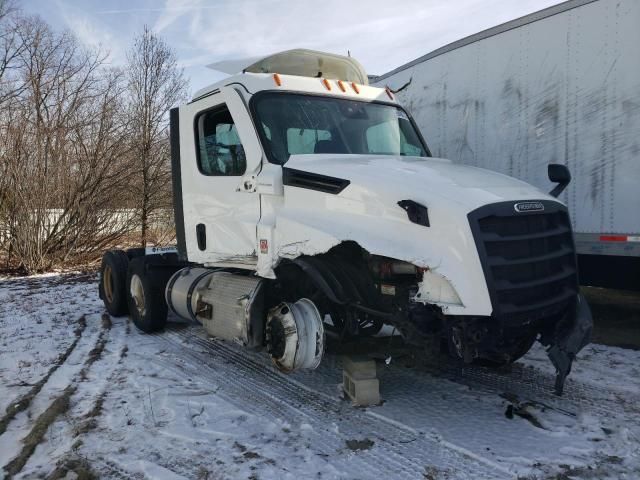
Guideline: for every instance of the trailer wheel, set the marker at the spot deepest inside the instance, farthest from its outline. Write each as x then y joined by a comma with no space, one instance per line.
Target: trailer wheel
113,282
145,294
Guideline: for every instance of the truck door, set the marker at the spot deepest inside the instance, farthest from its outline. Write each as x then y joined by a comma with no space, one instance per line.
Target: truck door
220,156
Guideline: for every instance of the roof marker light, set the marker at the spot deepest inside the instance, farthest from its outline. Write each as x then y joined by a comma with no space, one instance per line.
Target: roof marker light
326,83
341,85
355,87
276,78
388,90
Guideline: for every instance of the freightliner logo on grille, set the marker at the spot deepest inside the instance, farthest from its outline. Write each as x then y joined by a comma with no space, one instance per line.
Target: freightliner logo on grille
523,207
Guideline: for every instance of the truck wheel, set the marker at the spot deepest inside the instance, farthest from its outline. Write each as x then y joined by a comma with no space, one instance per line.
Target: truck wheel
145,293
113,282
509,354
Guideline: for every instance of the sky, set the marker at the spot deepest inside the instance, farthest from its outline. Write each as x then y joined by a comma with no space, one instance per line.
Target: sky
381,34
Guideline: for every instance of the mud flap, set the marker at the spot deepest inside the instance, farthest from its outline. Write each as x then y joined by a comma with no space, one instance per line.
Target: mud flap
569,342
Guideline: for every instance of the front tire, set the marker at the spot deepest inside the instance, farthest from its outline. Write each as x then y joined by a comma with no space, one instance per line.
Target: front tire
508,354
145,294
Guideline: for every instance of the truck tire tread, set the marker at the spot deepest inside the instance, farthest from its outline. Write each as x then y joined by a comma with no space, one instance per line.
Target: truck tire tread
118,261
153,283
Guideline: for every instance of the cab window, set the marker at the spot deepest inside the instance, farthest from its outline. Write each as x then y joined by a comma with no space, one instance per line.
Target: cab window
220,152
304,140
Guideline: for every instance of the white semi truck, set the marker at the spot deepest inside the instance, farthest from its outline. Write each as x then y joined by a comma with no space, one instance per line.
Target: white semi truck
558,86
307,201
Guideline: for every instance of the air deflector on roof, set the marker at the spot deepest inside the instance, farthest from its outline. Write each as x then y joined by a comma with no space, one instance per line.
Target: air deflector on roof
301,62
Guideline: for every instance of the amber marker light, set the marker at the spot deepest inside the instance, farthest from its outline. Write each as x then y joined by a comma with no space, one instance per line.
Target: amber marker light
276,78
341,85
355,87
326,83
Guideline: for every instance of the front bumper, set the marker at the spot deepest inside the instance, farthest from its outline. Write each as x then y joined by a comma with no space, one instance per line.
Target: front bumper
570,336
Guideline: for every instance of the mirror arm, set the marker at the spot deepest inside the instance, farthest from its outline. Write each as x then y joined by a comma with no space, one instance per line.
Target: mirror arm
558,189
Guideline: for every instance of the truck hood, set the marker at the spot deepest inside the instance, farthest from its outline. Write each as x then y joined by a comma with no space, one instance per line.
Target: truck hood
425,180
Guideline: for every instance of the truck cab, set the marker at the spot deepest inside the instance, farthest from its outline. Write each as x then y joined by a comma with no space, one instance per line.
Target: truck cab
307,203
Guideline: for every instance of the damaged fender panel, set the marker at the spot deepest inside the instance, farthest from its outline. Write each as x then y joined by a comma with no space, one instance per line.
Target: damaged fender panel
455,279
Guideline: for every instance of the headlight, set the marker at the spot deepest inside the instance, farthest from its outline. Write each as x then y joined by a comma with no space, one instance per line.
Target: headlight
434,288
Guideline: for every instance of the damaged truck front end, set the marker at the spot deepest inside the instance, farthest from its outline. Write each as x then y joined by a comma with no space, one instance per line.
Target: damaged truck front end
446,254
360,292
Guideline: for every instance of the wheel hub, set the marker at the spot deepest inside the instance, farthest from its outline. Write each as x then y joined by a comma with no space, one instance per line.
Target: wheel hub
137,294
295,335
107,283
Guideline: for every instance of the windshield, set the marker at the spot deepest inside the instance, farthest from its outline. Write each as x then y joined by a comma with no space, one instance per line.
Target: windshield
296,124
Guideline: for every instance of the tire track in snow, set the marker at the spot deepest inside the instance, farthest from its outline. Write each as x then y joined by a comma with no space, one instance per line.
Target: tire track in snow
25,400
400,452
110,469
84,413
391,422
37,429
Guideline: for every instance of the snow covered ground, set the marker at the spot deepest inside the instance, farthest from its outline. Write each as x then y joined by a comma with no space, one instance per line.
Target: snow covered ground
83,392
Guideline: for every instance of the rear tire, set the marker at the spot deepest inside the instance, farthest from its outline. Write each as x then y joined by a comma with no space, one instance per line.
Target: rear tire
113,282
145,294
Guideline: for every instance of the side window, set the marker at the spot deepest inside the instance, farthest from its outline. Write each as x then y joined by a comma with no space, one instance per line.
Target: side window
302,140
220,151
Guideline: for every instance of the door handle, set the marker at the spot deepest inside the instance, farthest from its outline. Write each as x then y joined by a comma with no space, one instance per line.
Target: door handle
201,236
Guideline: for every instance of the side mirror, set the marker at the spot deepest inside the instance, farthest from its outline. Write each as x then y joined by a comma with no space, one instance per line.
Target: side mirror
558,174
270,180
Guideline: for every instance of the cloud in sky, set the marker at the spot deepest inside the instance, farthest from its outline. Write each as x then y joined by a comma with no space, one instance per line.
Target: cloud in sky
379,33
91,33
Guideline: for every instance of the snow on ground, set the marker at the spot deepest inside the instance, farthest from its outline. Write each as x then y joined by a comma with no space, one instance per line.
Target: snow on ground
38,317
86,392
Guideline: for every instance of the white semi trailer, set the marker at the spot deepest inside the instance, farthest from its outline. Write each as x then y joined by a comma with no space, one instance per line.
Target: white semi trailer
558,86
304,195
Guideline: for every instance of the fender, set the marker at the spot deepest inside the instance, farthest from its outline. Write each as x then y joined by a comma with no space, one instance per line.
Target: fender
337,281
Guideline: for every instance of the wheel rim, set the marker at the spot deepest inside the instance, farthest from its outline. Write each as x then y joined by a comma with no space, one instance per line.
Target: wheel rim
137,293
107,283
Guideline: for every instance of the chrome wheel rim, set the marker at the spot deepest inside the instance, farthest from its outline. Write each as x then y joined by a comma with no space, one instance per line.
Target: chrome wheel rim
136,290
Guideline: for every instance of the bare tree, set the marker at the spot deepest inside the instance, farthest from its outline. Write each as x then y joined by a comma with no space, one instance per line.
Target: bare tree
84,154
155,84
11,45
63,152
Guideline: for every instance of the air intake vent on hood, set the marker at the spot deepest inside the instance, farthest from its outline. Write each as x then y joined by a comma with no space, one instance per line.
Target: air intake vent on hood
313,181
